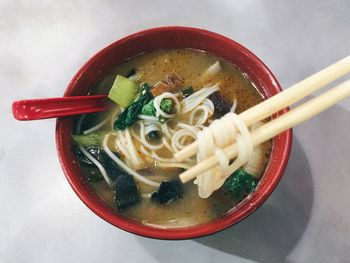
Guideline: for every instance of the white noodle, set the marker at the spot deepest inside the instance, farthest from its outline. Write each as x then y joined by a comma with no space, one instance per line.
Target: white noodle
134,156
97,163
148,118
234,105
114,116
157,101
257,159
173,165
144,139
211,140
151,127
210,105
158,158
213,69
80,122
175,140
120,144
89,156
136,175
167,145
199,126
203,118
186,133
167,131
144,151
207,109
134,135
193,129
196,98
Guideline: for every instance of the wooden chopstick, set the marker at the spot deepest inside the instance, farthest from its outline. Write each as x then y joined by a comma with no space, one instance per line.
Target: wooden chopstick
277,126
282,99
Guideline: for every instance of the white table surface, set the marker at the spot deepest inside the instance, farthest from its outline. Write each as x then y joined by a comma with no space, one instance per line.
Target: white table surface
43,43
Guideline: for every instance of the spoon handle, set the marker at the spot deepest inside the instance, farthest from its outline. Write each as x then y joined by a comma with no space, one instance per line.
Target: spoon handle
35,109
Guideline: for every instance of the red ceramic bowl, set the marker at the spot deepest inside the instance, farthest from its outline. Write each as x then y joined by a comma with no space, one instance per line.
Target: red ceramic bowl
171,37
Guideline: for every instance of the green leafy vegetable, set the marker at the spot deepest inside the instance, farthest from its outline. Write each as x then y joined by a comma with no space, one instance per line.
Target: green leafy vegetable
187,91
123,91
240,184
129,115
167,105
92,139
148,109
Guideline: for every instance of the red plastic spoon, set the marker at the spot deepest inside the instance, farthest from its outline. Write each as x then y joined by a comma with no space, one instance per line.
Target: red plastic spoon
25,110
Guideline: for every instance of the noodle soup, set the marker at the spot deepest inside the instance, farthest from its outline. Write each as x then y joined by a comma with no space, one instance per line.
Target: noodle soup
178,93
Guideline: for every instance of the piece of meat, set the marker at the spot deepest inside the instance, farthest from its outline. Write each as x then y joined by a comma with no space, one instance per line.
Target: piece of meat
171,84
174,80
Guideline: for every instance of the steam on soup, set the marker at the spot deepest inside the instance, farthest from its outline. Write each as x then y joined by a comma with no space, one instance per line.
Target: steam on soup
162,100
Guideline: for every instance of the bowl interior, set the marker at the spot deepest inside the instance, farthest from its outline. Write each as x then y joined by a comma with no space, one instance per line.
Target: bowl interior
171,37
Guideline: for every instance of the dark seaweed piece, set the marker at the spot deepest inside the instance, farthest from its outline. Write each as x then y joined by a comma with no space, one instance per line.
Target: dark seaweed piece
125,191
100,155
168,192
131,73
124,185
110,166
92,175
187,92
91,172
89,119
240,184
221,105
83,160
153,135
129,115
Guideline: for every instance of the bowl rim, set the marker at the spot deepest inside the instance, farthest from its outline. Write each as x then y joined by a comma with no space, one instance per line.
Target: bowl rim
240,212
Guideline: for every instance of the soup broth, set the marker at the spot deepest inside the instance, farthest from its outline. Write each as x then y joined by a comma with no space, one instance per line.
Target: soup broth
191,65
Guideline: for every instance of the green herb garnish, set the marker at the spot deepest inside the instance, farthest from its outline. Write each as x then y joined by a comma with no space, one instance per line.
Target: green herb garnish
148,109
240,184
167,105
